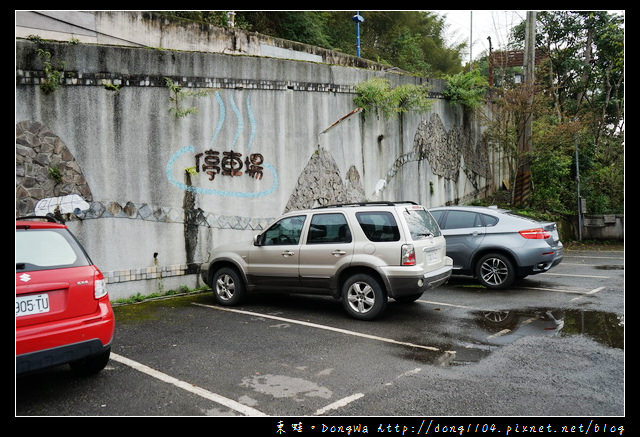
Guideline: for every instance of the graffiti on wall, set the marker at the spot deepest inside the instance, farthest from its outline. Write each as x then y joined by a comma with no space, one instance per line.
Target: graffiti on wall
230,163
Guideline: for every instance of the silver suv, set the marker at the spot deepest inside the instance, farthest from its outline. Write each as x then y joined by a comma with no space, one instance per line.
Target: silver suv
360,253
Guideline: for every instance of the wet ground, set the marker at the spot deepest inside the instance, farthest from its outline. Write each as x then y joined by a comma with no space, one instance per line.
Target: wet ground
551,346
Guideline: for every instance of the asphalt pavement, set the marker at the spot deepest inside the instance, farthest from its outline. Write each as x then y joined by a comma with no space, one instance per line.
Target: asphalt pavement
552,346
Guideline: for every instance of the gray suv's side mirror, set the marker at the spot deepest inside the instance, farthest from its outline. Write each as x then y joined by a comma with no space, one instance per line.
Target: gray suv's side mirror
257,240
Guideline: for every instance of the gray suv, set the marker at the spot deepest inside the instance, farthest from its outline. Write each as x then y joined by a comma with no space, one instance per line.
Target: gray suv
497,246
360,253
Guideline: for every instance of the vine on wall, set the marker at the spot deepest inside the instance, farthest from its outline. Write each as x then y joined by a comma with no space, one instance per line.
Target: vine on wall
177,96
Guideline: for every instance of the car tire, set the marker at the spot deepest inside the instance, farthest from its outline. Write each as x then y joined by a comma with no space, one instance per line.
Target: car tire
228,287
495,271
91,365
363,297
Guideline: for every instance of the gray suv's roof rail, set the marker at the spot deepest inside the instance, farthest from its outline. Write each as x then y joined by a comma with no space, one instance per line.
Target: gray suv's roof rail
383,202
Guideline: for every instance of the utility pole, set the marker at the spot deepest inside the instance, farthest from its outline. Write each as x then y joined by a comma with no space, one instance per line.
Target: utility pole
357,18
470,40
580,206
490,63
522,189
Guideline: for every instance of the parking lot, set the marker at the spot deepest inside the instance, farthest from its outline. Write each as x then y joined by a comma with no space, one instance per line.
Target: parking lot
553,345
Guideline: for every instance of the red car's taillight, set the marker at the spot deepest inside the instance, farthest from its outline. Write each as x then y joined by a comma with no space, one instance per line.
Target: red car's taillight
99,285
408,256
535,234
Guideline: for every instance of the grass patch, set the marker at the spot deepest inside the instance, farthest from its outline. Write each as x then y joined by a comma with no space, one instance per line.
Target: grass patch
138,297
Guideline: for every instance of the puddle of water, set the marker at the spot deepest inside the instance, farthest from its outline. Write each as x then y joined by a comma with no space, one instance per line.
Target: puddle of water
486,331
611,267
436,358
603,327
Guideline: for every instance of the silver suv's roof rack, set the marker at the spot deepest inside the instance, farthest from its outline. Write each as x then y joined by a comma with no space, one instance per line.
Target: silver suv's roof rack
378,203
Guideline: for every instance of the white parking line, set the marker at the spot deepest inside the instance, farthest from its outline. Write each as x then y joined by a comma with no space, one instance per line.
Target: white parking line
594,291
576,276
325,327
464,307
595,257
508,331
557,290
564,264
229,403
499,334
338,404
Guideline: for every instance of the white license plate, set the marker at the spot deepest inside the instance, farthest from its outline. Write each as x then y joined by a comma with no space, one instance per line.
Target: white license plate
433,256
32,304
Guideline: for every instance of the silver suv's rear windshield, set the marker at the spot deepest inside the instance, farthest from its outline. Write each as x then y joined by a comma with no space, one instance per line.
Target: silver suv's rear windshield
421,223
43,249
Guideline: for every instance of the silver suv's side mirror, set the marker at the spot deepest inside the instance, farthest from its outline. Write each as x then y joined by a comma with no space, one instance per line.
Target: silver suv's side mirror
257,240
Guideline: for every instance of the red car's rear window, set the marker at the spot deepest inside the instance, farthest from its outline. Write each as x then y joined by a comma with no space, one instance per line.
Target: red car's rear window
43,246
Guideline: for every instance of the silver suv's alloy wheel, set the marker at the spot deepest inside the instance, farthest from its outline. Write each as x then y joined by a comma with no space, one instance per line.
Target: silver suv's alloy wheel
225,287
361,297
228,286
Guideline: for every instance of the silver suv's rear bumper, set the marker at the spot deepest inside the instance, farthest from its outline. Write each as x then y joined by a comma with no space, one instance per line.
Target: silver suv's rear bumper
411,285
438,277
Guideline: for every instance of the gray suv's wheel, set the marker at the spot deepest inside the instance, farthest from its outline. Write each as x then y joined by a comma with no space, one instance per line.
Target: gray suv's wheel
228,287
363,297
495,271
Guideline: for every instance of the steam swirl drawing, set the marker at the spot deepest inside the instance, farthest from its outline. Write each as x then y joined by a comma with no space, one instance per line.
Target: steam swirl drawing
240,126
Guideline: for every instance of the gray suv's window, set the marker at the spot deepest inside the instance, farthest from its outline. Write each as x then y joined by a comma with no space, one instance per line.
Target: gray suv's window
328,228
438,216
379,226
421,224
489,220
285,231
462,219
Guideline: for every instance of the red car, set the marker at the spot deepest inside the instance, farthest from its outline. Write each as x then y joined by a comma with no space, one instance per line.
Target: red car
63,314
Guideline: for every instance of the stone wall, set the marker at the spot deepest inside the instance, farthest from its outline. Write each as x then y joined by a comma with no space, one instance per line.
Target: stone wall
320,183
45,168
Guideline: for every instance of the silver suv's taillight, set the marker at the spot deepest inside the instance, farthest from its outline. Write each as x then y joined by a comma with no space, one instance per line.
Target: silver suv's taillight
408,255
99,286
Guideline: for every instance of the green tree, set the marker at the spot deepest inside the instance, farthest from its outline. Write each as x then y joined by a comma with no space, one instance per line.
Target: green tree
409,40
412,41
307,27
580,91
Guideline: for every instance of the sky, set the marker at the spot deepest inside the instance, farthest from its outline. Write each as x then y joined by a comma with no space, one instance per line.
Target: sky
479,24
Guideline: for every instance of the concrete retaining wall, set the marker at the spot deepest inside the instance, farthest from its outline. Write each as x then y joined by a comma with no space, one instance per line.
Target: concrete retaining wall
149,193
603,227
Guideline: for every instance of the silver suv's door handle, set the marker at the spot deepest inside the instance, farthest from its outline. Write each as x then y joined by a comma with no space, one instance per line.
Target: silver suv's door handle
338,252
287,253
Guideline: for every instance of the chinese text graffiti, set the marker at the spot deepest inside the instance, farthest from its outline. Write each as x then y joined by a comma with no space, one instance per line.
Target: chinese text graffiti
230,164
